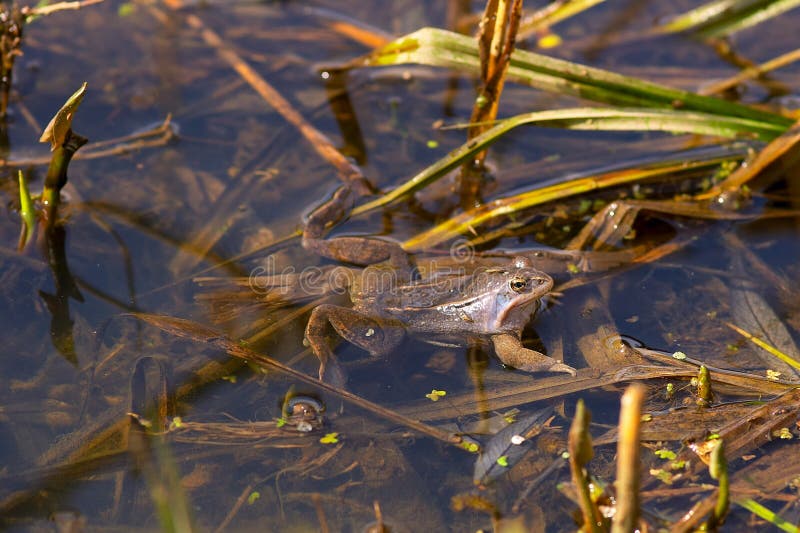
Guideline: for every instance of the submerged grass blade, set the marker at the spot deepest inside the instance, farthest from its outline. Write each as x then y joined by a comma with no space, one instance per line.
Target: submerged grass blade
161,474
768,515
436,47
771,349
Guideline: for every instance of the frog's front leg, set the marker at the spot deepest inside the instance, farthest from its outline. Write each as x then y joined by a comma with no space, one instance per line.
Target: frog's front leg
510,351
356,250
328,321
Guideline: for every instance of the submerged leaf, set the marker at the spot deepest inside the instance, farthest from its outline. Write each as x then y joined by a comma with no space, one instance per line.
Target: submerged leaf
506,448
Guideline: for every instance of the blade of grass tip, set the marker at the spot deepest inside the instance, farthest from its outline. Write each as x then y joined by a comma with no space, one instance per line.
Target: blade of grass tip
768,515
589,118
436,47
552,14
43,10
350,27
771,349
57,129
748,17
724,17
579,442
696,17
753,72
718,469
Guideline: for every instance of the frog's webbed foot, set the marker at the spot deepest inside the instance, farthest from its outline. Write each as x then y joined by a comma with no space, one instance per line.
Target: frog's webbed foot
510,351
356,250
327,321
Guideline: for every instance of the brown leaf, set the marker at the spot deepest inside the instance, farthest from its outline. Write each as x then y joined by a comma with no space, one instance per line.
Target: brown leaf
56,131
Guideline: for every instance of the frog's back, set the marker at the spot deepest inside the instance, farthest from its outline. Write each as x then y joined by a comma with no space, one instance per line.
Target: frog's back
420,295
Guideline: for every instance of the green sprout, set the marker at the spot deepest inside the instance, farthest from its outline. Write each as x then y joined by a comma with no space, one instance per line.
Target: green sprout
26,211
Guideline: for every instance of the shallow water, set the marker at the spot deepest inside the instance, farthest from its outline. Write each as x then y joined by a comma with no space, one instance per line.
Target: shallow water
223,200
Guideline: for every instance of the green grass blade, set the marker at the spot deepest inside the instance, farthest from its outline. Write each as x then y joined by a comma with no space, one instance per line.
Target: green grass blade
26,212
724,17
764,513
468,221
436,47
587,118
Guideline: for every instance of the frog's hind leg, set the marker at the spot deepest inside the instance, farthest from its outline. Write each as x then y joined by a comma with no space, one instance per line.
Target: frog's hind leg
356,250
328,321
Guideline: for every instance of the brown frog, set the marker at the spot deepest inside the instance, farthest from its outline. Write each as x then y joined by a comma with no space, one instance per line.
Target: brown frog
494,303
491,302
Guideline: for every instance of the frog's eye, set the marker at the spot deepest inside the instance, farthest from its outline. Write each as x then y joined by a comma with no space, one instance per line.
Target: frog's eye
518,284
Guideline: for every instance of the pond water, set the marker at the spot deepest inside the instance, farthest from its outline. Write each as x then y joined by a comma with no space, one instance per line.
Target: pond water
179,227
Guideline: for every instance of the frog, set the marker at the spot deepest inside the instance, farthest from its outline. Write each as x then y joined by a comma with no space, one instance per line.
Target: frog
390,300
491,303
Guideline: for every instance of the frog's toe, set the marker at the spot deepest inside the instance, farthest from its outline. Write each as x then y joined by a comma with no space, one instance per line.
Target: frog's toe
547,365
332,372
561,367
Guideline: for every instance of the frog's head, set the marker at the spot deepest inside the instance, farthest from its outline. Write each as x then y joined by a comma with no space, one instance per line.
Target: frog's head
514,294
